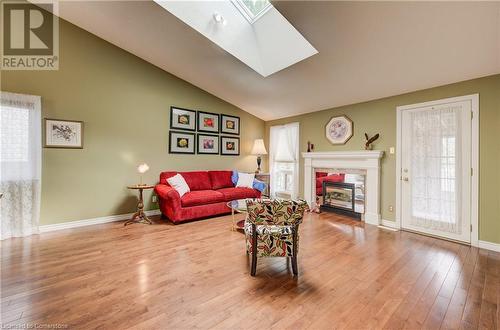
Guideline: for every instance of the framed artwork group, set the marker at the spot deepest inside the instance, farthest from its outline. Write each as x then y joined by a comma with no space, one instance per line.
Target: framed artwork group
196,132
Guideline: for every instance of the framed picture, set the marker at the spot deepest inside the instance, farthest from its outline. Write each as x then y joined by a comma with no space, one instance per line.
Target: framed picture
339,129
230,124
181,143
208,144
208,122
182,119
230,146
63,134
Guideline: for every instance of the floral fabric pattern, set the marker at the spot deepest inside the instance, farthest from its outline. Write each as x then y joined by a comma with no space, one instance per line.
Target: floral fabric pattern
275,222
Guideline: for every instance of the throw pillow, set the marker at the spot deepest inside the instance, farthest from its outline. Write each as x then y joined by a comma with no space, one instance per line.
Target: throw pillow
245,180
178,183
258,185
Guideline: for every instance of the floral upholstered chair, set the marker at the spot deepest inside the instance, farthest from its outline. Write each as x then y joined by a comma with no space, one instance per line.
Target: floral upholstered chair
272,229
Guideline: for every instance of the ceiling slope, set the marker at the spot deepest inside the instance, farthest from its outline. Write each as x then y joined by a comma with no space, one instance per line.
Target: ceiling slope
367,50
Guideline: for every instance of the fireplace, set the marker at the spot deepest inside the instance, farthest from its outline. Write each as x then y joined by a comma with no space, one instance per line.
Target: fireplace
346,167
340,197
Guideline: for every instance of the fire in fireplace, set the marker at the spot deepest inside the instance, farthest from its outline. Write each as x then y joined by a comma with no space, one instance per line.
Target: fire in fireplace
340,197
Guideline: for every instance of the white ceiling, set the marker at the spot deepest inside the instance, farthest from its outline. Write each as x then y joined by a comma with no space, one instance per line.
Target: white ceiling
367,50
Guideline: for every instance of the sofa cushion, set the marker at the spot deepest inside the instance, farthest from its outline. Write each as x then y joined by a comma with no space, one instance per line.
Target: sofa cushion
221,179
198,180
201,197
329,178
231,194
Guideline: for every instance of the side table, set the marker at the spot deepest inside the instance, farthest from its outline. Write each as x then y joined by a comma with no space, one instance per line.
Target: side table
139,216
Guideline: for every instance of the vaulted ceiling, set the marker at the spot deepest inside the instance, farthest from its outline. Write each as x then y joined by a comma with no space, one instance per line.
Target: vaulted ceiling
367,50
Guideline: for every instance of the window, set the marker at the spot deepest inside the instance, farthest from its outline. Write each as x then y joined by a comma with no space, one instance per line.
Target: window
284,160
20,164
252,9
14,136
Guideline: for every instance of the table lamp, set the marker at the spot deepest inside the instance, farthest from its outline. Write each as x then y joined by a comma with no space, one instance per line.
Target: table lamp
258,150
142,168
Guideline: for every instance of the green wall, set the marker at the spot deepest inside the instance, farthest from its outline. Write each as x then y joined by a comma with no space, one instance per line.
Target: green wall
124,102
379,116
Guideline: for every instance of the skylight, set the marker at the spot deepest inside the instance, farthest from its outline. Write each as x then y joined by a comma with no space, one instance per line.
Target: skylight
253,31
252,9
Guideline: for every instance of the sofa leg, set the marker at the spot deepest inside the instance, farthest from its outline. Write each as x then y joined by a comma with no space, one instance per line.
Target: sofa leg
254,250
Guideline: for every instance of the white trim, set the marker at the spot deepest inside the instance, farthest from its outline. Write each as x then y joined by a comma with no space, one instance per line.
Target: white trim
489,246
474,99
363,159
389,224
363,154
474,209
92,221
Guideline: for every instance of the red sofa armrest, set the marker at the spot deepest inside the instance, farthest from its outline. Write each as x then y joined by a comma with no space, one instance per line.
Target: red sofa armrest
169,195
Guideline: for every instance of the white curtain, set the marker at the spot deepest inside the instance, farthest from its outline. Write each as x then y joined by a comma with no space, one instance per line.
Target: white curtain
436,164
20,164
284,157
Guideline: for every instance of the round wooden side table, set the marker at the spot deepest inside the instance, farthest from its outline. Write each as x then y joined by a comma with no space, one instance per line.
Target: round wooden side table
139,216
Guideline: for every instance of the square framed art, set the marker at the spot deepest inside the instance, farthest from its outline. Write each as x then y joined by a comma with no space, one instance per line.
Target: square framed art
230,146
208,144
230,124
63,134
181,143
208,122
181,118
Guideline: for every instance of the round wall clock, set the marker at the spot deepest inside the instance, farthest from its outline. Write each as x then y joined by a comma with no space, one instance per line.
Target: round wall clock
339,130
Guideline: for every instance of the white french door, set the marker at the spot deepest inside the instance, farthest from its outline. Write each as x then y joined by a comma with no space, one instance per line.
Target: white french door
436,150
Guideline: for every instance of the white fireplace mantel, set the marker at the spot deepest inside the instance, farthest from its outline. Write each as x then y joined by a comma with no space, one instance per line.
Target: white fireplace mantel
368,160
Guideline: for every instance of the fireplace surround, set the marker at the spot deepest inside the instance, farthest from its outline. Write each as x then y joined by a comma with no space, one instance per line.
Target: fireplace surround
367,160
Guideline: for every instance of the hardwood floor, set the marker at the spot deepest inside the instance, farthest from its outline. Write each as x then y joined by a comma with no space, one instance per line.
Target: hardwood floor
196,275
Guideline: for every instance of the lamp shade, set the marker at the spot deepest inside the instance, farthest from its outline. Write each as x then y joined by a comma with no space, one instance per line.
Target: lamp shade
143,168
259,148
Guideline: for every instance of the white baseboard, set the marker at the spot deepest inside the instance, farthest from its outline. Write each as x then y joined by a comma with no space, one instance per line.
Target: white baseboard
93,221
489,246
388,225
372,218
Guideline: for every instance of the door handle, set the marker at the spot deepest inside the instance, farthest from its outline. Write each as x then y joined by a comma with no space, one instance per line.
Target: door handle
405,179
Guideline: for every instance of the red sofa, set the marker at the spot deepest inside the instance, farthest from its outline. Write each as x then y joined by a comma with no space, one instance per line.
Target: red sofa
210,192
323,176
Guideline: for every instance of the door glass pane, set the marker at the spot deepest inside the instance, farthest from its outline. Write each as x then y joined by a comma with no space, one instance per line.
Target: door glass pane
435,161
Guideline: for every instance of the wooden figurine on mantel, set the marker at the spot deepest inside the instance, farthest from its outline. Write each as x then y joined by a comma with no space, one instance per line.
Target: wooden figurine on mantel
310,146
369,141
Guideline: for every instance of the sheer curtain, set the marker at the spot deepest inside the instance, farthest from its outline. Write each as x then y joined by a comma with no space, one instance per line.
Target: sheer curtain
436,162
284,160
20,164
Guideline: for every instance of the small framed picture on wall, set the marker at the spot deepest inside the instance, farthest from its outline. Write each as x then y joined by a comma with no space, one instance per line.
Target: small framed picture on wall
182,119
181,143
208,144
230,146
208,122
63,134
230,124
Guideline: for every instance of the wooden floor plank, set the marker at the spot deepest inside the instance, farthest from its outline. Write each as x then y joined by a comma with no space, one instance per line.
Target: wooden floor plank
196,275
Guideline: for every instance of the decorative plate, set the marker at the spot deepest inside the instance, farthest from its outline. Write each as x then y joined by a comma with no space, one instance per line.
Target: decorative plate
339,130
